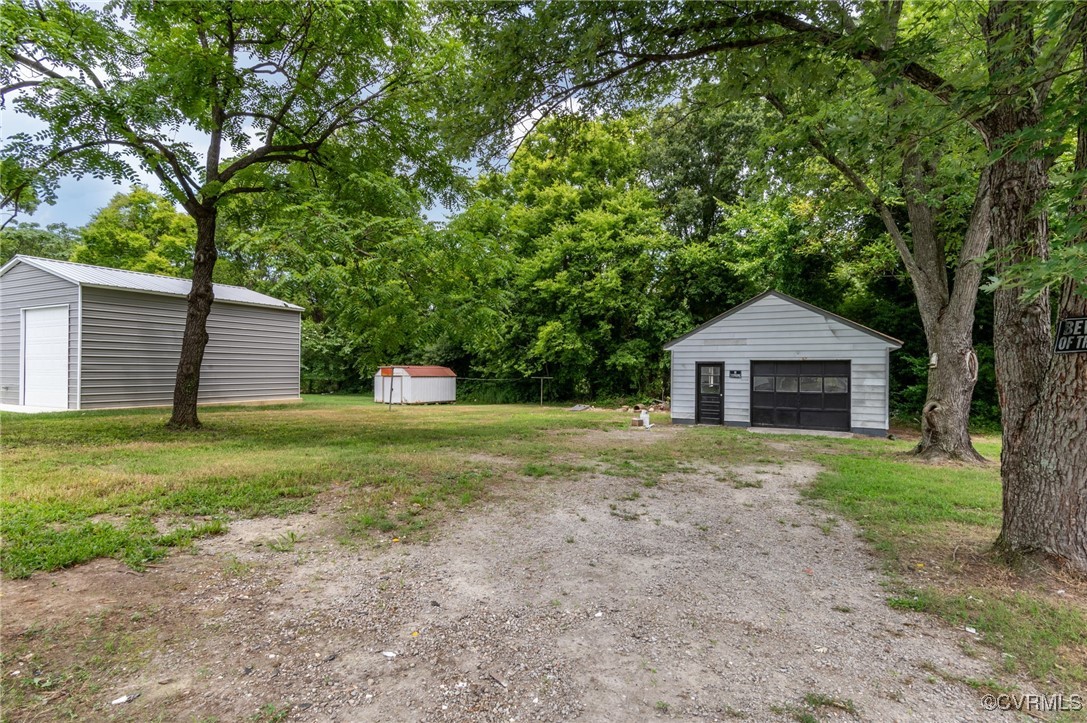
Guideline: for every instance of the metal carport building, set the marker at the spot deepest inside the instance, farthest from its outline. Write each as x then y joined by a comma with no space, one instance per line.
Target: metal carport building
74,336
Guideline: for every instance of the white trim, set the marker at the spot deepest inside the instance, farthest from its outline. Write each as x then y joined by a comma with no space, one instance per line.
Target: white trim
887,389
829,316
29,261
22,346
78,347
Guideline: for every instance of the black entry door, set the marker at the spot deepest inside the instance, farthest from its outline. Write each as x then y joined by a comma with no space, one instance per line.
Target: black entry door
710,393
801,395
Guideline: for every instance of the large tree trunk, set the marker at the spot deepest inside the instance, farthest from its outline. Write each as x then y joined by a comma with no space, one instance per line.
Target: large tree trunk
1045,480
1043,396
187,385
947,313
1045,454
953,368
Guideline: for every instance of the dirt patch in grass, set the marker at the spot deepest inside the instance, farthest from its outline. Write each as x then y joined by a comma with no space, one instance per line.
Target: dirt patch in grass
591,597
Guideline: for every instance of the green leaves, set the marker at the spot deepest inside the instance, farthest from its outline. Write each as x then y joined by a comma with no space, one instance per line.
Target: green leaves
140,231
267,83
587,255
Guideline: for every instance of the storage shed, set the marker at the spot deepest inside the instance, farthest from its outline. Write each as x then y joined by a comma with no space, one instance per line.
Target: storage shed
415,385
775,361
74,336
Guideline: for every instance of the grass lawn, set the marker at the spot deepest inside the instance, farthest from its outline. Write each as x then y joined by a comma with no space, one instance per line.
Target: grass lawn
83,485
934,526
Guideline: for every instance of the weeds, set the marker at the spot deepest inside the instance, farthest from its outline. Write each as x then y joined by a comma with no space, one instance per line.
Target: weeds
819,700
285,542
741,484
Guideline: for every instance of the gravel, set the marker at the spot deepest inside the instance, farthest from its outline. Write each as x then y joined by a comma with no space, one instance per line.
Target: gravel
564,600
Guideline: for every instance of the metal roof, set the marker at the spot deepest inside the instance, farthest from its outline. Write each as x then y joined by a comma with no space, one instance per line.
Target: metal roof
107,278
420,371
890,340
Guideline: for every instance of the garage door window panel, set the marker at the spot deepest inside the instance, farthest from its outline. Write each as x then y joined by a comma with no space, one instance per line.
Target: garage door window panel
787,384
836,385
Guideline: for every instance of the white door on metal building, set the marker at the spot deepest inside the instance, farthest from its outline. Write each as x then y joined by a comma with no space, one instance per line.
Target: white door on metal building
391,389
45,357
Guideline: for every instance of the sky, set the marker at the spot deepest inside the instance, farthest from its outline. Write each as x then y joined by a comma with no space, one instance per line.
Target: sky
77,200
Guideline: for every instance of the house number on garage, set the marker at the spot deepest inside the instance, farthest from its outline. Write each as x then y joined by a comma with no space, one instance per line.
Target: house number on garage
1072,336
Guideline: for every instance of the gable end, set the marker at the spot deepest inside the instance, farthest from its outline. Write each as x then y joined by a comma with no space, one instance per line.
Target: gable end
889,340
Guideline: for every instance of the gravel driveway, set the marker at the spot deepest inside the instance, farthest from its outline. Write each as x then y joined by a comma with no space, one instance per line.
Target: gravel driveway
718,594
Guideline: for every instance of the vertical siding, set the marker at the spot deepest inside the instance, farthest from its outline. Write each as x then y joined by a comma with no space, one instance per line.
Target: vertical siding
775,329
24,286
392,389
424,390
132,341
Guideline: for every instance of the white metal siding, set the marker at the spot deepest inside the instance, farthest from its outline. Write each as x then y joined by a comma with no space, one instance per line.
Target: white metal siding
774,329
23,287
392,389
427,390
132,342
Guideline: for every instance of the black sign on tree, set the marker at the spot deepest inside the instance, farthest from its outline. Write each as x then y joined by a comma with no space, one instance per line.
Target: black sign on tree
1071,336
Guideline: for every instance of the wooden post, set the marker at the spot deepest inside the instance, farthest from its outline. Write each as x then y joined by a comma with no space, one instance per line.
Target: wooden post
541,387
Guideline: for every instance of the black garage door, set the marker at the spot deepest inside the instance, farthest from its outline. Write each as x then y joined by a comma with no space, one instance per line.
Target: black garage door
802,395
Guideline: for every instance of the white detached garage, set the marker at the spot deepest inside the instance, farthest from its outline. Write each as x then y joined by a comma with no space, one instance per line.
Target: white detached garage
776,361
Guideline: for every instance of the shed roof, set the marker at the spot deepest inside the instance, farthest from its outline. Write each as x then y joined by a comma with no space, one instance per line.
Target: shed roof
890,340
423,371
107,278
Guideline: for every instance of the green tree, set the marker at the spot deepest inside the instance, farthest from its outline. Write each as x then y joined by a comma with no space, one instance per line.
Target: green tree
139,231
1014,81
697,155
590,251
347,242
786,243
55,241
267,83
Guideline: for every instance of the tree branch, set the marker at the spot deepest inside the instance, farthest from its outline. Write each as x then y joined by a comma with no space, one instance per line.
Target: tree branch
974,245
18,86
36,66
243,189
258,155
700,51
1062,52
862,186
